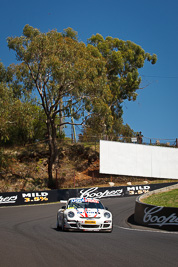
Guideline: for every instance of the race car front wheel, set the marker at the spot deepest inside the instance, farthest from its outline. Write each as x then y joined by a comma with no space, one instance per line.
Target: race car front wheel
57,224
63,226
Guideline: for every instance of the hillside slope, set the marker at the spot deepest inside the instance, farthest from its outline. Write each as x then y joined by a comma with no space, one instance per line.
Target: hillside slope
25,169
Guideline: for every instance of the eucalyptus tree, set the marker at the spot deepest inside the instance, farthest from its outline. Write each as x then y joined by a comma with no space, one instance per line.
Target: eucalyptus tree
123,60
87,83
5,111
21,120
69,77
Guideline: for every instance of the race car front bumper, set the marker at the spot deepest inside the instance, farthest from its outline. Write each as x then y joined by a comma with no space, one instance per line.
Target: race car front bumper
88,225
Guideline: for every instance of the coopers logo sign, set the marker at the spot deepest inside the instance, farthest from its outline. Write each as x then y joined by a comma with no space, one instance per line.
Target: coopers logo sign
164,218
94,193
107,192
151,217
49,196
8,200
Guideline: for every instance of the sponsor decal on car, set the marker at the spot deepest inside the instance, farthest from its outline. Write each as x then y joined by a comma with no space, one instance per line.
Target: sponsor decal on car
84,200
90,222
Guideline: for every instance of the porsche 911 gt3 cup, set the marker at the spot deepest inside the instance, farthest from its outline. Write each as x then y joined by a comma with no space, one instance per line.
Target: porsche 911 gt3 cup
86,214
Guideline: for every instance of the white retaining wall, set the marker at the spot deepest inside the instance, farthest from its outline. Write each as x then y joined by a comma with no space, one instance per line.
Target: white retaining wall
138,160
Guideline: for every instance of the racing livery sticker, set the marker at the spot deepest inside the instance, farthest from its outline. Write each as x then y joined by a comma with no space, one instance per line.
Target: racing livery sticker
80,200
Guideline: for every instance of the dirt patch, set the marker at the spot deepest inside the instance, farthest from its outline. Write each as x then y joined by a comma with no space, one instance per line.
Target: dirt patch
25,169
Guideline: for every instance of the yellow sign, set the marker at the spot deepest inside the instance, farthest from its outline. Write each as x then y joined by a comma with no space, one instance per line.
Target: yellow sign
90,222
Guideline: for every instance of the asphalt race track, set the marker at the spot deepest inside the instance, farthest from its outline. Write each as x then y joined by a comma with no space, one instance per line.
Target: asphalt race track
29,238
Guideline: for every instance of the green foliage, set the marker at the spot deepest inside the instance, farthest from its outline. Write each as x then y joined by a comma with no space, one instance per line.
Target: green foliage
69,32
59,67
93,80
73,81
96,129
5,111
5,160
40,161
20,121
69,79
2,73
29,123
165,199
123,59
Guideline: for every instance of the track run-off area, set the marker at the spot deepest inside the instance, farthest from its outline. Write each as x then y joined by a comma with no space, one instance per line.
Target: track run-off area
29,238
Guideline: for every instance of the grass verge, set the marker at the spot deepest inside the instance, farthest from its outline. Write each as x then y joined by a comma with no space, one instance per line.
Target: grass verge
165,199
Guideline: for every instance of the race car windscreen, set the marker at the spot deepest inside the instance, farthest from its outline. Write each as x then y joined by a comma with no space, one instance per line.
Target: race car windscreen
85,205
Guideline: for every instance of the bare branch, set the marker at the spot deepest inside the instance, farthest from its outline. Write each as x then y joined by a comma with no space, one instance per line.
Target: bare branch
70,123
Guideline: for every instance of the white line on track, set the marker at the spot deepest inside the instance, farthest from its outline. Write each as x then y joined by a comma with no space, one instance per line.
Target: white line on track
117,226
142,230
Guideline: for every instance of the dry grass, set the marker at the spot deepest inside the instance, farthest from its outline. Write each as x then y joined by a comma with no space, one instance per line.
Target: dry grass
25,169
164,199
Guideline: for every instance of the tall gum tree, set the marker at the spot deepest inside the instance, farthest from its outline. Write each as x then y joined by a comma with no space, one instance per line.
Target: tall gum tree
69,76
123,60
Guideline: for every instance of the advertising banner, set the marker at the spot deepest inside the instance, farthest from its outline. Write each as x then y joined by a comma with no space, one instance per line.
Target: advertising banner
138,160
163,218
48,196
27,198
108,192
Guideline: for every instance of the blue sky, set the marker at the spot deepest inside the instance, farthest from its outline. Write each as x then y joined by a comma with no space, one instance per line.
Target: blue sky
151,24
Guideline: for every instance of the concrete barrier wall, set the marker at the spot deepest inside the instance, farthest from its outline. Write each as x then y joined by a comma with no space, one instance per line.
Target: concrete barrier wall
138,160
48,196
164,218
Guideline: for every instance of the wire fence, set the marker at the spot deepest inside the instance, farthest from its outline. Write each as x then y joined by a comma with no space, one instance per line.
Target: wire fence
160,142
94,140
140,139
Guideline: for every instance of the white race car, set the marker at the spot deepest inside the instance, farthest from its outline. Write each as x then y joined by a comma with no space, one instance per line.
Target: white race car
86,214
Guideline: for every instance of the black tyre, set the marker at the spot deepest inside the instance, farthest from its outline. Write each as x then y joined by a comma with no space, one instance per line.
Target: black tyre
57,224
63,227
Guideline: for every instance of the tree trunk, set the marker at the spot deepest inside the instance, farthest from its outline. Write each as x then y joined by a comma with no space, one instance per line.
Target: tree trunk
61,127
52,150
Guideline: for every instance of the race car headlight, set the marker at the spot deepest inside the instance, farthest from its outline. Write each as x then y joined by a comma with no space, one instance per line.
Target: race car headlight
71,214
107,215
